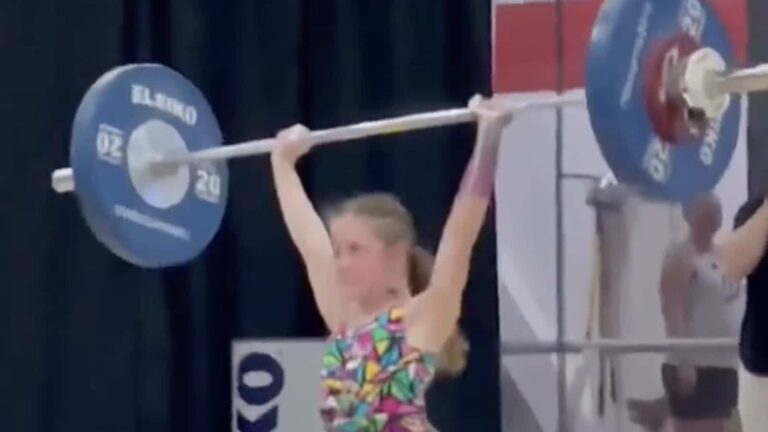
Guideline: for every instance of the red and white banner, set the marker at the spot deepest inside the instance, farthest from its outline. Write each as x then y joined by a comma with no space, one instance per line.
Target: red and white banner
525,41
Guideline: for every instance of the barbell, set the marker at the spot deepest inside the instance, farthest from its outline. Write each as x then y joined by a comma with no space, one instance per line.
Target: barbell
148,161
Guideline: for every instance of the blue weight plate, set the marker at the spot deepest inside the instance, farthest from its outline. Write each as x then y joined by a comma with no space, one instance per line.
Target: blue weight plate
148,214
625,40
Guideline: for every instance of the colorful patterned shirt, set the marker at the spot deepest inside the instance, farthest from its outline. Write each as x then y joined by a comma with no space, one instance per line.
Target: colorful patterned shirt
374,381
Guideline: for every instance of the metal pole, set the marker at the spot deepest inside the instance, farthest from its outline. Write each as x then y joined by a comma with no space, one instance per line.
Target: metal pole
562,379
618,346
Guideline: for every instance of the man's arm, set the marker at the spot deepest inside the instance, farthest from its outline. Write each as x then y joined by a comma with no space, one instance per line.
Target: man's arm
743,248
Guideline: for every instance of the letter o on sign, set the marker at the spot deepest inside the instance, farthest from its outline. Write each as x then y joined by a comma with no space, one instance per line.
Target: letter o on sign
260,363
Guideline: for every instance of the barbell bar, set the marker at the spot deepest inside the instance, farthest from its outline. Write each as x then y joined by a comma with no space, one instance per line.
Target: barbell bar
62,179
747,80
739,81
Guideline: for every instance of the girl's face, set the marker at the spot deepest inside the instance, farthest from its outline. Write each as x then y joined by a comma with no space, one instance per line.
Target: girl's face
365,264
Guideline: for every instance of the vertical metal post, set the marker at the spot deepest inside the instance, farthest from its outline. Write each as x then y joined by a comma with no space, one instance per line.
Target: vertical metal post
562,391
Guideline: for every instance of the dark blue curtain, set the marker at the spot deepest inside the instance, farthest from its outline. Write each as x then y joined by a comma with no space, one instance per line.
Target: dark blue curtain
90,343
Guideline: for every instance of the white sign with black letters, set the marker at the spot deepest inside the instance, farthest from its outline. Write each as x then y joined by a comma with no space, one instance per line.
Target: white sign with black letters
275,385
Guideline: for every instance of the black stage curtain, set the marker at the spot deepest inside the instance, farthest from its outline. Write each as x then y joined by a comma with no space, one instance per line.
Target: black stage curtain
757,135
91,343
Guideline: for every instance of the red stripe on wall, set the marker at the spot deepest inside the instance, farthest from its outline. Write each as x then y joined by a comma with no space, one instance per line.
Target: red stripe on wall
524,43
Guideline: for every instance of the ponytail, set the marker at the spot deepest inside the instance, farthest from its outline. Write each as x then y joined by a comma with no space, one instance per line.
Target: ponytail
453,356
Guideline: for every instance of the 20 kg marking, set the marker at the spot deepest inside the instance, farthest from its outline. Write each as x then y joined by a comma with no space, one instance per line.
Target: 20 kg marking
208,185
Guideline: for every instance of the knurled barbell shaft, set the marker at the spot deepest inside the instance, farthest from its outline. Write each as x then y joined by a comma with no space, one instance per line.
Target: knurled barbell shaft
62,179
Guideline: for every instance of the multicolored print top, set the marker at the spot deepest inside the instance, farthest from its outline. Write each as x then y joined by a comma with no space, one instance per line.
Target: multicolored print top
373,381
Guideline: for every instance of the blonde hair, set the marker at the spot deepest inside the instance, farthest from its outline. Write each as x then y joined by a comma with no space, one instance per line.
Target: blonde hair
393,223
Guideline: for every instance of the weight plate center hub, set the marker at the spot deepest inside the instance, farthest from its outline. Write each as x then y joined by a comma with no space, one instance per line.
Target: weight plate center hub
159,185
680,95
